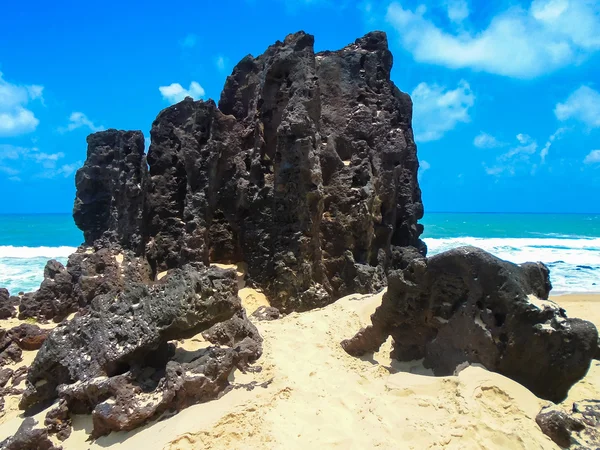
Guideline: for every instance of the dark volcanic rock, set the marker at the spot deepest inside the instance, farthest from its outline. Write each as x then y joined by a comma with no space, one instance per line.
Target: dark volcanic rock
7,304
307,172
266,313
29,438
232,331
466,305
124,402
125,329
558,425
5,375
9,350
110,190
90,272
28,336
58,421
578,429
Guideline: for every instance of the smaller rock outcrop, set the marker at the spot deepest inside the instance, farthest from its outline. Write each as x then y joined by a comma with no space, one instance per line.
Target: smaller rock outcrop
90,271
28,336
266,313
125,328
7,304
115,360
466,305
10,352
28,437
578,429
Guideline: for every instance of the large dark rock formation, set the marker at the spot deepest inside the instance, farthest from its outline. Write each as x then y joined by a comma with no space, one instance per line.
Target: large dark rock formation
307,171
466,305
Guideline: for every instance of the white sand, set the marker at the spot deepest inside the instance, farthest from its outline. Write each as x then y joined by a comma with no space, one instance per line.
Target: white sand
320,397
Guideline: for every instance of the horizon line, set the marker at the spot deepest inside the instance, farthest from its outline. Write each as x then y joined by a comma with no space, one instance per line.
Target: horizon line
426,212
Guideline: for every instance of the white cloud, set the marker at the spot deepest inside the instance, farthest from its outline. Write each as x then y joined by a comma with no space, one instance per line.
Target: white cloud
189,41
518,42
175,92
221,63
556,135
524,139
582,105
78,120
424,166
517,158
438,110
485,140
66,170
23,160
15,119
593,157
458,10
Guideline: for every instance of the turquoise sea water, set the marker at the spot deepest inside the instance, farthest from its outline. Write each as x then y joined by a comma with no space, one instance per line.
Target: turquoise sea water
568,243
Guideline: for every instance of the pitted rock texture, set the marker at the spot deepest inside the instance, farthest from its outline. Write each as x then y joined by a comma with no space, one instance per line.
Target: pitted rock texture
131,328
109,202
29,437
577,429
466,305
306,170
90,272
7,304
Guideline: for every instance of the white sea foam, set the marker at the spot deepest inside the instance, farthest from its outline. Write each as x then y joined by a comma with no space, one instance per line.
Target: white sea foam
22,268
574,262
8,251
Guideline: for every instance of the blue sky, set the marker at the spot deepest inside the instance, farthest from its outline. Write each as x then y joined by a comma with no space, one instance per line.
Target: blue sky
506,96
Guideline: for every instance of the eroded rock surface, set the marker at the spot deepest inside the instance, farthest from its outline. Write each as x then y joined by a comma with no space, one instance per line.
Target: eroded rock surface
7,304
577,429
307,171
90,271
466,305
110,190
29,437
121,330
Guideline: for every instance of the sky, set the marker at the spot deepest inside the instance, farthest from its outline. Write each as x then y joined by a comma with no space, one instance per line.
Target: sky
506,93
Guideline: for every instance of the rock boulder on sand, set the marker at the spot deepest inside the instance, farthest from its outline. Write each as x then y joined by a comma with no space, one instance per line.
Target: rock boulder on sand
7,304
29,437
131,328
467,306
577,429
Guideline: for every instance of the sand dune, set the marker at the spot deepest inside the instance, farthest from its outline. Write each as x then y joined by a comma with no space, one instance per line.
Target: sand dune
311,394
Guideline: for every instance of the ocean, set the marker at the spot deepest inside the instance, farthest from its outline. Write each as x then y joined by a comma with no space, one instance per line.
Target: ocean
568,243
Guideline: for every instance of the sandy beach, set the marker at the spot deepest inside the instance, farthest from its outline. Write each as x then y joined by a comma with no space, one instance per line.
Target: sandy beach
310,393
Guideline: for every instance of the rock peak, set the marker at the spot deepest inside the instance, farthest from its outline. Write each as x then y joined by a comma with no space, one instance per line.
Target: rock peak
307,171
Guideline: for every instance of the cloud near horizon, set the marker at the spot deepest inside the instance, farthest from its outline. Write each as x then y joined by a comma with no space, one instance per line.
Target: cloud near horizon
18,161
517,42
